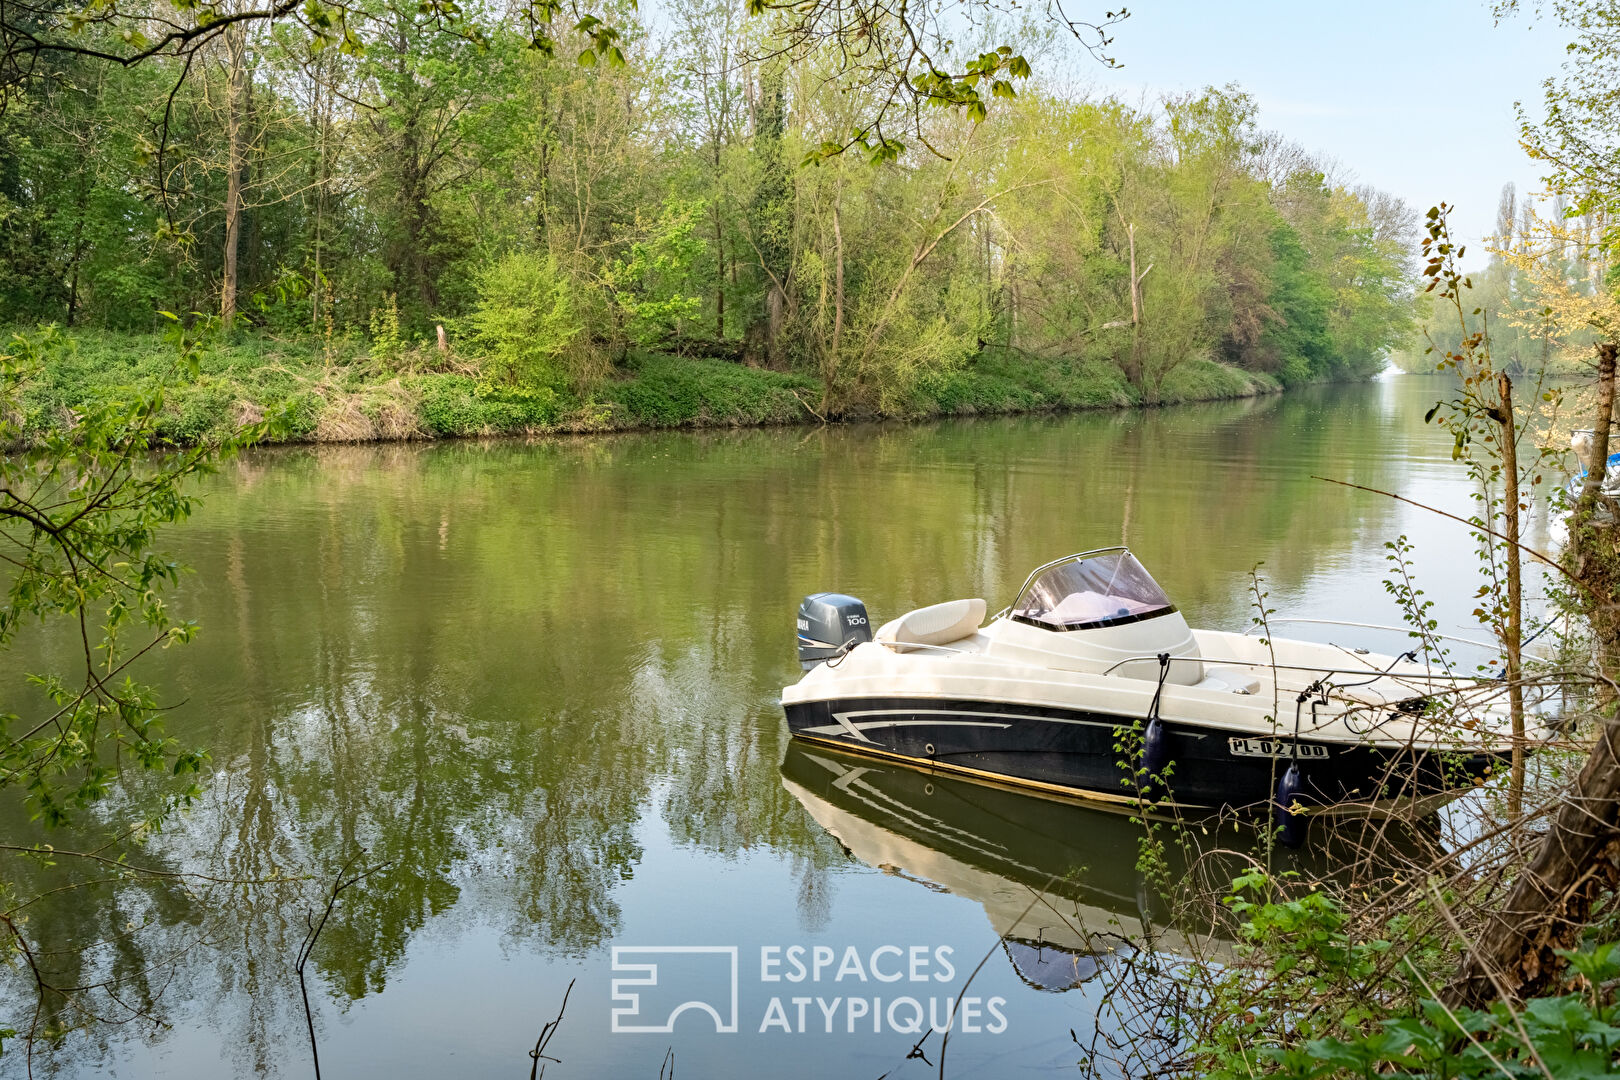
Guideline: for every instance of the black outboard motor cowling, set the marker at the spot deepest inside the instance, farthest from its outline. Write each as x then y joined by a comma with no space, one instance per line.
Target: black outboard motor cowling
828,623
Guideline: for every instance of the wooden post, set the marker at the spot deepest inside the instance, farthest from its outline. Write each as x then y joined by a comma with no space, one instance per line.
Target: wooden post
1513,633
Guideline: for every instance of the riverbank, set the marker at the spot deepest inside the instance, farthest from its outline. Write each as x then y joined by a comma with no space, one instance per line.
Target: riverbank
347,393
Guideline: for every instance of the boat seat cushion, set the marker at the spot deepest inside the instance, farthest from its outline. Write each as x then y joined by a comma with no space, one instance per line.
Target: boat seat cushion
936,624
1230,680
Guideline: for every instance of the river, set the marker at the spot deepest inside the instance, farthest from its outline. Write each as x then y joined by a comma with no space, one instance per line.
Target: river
540,682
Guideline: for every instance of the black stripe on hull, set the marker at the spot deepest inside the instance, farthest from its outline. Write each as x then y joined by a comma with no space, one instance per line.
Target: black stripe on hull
1079,751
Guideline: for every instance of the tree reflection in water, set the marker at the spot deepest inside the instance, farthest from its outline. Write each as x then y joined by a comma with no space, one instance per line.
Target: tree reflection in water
490,663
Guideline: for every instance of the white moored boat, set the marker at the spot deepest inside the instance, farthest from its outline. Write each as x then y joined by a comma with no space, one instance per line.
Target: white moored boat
1091,683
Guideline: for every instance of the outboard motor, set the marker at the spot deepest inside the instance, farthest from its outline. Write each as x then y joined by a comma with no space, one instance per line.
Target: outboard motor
830,623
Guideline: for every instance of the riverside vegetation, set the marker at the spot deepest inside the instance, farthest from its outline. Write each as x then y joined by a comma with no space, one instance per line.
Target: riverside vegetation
556,217
1544,262
457,233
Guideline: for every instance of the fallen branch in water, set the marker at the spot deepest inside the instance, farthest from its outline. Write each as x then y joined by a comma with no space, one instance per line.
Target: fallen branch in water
811,409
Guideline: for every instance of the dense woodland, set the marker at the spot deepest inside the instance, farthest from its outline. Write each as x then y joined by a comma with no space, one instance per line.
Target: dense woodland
573,226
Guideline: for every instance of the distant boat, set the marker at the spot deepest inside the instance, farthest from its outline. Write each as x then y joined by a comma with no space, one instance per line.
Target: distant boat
1580,441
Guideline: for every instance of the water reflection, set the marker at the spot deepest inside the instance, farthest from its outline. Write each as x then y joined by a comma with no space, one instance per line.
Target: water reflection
523,673
1057,881
1063,883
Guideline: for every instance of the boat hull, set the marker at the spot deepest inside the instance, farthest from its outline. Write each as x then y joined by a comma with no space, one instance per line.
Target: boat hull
1094,755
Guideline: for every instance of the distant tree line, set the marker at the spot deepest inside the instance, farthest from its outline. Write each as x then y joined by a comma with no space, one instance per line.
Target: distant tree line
1542,256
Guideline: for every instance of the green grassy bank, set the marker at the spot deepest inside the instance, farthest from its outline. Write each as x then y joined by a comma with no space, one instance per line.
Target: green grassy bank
345,394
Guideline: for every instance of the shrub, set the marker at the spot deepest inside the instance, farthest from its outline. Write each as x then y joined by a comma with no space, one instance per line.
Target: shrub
527,329
387,347
1313,1000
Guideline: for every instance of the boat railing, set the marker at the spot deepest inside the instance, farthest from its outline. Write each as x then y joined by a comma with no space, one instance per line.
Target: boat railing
1398,676
1154,658
899,645
1377,626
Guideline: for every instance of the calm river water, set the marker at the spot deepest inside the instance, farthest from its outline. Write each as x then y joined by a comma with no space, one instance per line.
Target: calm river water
541,682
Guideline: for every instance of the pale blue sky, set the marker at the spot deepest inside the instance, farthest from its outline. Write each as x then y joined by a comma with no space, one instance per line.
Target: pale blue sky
1414,98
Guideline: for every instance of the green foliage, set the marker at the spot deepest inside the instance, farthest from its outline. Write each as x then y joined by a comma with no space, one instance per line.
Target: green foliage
1303,977
1571,1035
253,376
526,328
1205,380
559,218
79,519
1299,339
651,283
386,346
1312,1000
673,392
1309,951
455,405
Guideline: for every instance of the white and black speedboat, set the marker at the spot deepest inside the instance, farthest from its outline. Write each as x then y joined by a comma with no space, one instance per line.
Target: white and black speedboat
1092,684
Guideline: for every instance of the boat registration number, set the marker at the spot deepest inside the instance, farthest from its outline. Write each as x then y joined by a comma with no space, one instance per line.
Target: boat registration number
1275,748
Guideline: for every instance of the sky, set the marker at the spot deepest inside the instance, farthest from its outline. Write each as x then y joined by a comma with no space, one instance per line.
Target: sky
1416,98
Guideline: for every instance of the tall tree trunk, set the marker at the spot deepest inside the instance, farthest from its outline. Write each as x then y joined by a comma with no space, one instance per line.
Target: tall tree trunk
235,50
838,273
719,240
719,275
542,200
1136,368
78,246
318,117
1516,954
1586,503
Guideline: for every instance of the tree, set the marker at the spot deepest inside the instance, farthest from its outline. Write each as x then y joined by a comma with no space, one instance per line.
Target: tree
1523,946
236,80
79,519
79,522
770,212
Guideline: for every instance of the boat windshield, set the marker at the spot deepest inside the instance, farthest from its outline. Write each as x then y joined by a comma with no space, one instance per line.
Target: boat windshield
1085,593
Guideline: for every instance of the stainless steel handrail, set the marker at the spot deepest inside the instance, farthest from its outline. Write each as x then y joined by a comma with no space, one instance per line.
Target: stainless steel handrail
1375,626
1396,675
897,645
1154,657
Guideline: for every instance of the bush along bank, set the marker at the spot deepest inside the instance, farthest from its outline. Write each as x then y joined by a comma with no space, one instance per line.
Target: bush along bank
322,393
